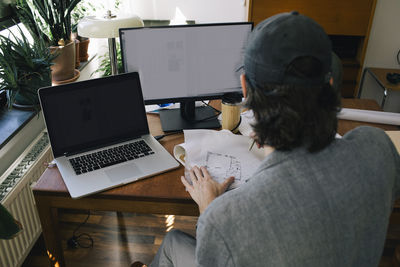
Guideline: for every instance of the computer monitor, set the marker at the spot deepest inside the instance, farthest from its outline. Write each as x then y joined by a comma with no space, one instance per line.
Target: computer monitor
184,64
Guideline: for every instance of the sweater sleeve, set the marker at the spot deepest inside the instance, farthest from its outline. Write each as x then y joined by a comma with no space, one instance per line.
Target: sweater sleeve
370,136
211,247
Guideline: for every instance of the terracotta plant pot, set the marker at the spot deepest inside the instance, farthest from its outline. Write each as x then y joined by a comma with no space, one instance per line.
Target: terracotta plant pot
83,49
64,63
77,45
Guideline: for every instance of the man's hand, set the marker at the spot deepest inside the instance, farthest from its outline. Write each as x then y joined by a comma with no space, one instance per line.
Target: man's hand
204,189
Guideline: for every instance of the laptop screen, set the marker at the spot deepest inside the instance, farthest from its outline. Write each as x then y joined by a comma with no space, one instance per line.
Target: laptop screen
86,115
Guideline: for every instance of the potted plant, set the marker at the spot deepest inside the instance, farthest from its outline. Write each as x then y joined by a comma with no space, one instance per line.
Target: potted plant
24,68
84,8
104,68
52,18
9,227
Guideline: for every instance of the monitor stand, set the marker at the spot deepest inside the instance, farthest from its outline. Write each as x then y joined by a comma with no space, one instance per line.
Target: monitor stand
188,117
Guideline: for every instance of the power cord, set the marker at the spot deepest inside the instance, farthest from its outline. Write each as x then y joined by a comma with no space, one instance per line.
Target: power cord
237,125
76,240
218,112
159,137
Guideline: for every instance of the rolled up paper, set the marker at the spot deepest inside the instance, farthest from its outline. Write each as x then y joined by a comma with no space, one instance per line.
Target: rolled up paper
369,116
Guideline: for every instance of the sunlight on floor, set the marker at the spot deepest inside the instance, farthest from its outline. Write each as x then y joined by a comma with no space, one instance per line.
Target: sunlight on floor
169,221
52,258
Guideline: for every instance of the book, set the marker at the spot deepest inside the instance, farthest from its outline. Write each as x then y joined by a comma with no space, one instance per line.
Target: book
395,137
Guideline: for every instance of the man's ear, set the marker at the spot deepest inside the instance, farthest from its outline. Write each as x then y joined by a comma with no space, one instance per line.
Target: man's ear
243,84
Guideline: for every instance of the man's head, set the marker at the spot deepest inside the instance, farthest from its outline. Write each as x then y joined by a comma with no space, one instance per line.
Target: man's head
287,69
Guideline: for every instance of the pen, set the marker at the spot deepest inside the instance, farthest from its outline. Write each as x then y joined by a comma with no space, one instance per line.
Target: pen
252,144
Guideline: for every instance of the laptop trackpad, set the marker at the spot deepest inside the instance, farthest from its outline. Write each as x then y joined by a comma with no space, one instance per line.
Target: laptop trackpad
123,172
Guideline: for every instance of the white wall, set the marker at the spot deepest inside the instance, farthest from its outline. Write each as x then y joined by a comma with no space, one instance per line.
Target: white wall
384,40
202,11
383,45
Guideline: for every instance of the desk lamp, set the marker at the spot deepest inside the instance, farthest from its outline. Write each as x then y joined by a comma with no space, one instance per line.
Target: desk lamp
107,27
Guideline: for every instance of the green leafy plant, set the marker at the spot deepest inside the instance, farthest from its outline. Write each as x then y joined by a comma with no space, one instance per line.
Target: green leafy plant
83,9
24,67
9,227
105,64
53,18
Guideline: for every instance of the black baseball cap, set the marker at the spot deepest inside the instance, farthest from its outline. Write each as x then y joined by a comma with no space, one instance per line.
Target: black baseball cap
277,41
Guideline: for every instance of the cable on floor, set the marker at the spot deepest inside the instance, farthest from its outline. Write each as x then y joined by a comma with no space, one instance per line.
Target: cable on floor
82,240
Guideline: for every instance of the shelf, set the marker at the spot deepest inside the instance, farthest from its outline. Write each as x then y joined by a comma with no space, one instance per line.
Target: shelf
346,22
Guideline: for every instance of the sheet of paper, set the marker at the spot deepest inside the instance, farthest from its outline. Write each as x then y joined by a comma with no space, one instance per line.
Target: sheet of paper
395,136
223,153
245,125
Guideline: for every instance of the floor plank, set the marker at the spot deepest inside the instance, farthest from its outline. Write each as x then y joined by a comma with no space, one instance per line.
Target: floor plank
121,238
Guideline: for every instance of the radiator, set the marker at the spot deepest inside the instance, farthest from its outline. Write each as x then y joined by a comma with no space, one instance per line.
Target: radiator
17,197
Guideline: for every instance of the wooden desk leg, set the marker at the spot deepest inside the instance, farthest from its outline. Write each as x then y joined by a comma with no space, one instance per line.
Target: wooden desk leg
49,221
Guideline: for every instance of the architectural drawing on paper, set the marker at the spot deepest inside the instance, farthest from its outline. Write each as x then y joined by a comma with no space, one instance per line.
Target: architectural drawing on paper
222,166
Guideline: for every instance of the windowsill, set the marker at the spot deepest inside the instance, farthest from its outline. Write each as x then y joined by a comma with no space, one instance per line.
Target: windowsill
11,122
18,128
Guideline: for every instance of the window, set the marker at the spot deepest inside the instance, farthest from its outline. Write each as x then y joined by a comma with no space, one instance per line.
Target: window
200,11
17,127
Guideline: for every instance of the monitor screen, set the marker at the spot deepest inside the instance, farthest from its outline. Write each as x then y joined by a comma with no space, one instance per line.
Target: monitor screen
185,62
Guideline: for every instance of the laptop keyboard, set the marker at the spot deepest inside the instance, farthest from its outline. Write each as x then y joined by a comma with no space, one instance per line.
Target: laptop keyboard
109,157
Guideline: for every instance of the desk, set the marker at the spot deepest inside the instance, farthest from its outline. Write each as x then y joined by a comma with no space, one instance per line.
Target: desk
161,194
379,75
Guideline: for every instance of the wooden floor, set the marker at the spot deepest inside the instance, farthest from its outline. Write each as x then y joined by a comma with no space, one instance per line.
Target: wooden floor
121,239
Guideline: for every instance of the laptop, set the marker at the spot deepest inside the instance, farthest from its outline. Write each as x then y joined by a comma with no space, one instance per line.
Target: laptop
99,134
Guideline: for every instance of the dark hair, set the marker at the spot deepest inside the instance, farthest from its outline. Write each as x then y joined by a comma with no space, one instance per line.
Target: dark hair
288,116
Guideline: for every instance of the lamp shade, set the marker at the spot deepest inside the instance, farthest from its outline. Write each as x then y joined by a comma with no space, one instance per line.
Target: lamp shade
95,27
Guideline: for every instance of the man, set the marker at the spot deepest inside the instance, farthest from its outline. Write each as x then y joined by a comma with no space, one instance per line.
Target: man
315,200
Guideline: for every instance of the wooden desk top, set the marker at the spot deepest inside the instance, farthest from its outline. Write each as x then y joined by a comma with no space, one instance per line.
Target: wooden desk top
380,74
167,186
